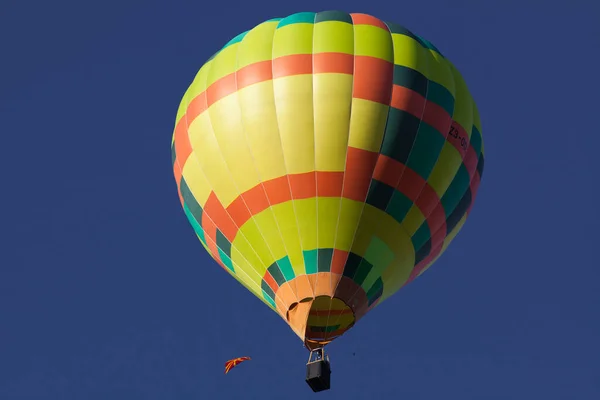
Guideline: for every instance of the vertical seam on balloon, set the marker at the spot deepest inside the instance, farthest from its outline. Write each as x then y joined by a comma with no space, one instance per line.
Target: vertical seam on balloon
312,76
259,293
342,194
254,162
367,194
293,201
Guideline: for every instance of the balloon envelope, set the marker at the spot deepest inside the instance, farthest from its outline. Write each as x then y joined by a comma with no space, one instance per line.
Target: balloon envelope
325,160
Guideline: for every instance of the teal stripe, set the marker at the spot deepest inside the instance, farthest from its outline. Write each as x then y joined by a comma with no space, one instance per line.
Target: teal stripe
425,150
441,96
476,140
428,44
310,261
324,261
339,16
268,299
456,190
197,228
421,236
235,40
298,18
226,260
398,206
286,268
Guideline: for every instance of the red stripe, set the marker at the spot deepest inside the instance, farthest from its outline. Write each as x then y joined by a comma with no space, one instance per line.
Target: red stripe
373,79
366,19
270,281
177,174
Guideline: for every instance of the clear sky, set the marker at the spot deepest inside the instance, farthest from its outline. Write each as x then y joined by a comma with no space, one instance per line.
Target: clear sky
105,292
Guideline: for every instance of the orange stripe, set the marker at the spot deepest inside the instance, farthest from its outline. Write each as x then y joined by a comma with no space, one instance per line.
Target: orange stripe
329,184
359,170
339,63
220,217
183,147
365,19
177,174
270,281
303,186
338,261
413,103
294,64
373,78
254,73
471,159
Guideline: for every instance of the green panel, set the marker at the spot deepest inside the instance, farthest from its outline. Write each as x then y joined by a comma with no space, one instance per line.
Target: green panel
286,268
197,228
268,298
399,206
421,236
310,261
226,260
426,150
441,96
299,18
456,191
333,16
324,261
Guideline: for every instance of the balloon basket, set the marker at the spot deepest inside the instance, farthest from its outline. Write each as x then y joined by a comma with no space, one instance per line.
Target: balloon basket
318,371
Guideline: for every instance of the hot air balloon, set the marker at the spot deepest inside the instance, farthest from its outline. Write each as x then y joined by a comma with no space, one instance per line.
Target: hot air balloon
325,160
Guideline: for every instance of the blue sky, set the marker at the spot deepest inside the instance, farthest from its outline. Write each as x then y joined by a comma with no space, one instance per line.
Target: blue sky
106,293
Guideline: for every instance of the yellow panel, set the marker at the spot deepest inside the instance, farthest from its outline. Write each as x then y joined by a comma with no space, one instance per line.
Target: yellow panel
285,215
208,154
413,220
306,209
262,133
252,246
196,181
181,110
439,71
409,53
328,209
267,226
332,102
350,212
373,41
199,83
367,124
294,105
293,39
445,169
327,320
463,106
223,64
334,37
227,126
257,45
375,222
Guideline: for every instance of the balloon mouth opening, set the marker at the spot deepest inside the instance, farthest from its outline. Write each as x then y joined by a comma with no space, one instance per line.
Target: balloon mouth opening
321,319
